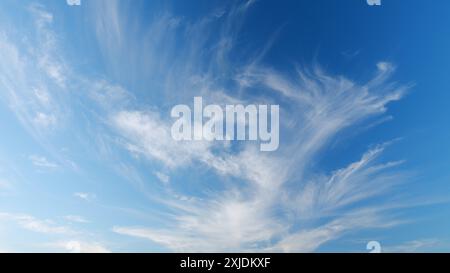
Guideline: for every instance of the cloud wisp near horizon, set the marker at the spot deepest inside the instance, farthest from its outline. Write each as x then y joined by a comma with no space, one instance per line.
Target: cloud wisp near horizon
103,152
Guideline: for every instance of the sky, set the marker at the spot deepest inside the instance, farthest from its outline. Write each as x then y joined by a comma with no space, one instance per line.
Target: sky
88,164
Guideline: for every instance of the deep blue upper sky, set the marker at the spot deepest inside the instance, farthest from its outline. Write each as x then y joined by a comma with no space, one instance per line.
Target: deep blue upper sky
85,95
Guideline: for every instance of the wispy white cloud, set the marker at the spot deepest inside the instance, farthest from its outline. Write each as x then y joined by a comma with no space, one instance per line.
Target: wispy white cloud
54,230
359,181
76,218
17,80
52,64
276,194
269,201
309,239
33,79
109,96
42,16
37,225
249,220
87,196
423,245
149,135
163,177
44,120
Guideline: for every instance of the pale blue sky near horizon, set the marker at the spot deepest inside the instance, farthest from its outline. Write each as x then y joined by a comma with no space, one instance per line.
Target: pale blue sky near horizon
87,163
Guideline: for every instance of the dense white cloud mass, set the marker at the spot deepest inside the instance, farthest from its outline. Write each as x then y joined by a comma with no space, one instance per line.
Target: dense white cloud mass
266,201
277,193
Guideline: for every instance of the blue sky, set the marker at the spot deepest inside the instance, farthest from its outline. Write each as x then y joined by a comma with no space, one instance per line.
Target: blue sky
87,163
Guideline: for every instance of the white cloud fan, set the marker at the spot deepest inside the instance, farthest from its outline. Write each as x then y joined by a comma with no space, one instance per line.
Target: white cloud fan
244,218
280,193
